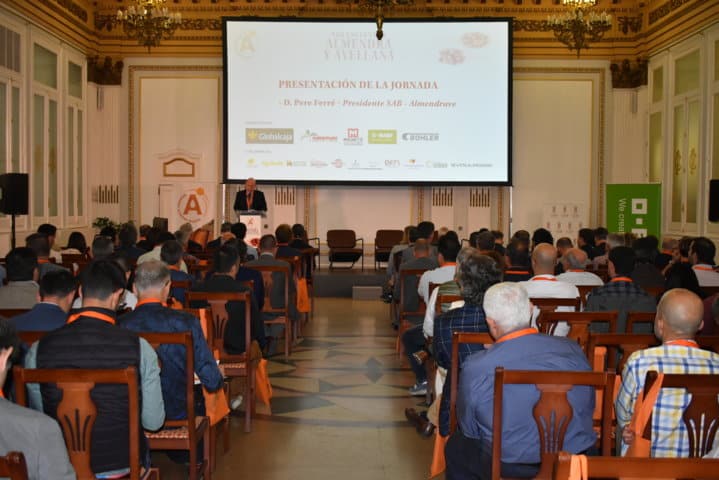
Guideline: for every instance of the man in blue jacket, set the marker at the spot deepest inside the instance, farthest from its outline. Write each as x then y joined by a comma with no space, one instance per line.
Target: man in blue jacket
57,291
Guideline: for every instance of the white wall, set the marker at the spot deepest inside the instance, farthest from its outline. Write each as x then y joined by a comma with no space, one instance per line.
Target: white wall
628,158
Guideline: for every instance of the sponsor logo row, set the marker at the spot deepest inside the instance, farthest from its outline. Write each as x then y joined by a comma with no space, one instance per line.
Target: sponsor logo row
352,165
352,137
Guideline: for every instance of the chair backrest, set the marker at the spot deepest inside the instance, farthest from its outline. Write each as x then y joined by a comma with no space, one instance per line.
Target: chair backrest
76,412
296,264
552,412
579,323
207,324
701,417
157,340
709,291
457,338
545,304
445,300
404,276
30,337
637,318
386,239
74,258
270,274
13,466
584,291
397,260
633,467
341,238
619,346
12,312
655,292
200,236
709,342
218,311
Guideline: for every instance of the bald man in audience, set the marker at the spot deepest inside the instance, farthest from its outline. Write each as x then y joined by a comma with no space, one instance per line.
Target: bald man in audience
517,347
679,317
545,285
574,262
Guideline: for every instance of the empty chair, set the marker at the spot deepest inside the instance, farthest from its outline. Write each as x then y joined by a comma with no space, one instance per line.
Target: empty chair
383,242
342,246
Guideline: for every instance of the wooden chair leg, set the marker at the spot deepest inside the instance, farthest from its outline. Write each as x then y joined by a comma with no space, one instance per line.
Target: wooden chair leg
207,462
213,446
250,396
226,422
193,467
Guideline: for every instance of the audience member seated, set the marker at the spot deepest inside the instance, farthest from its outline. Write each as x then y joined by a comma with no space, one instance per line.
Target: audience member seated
22,274
155,253
299,241
413,338
574,262
620,293
239,230
76,245
679,316
517,347
563,245
32,433
188,244
545,285
128,242
91,339
226,262
245,274
450,287
283,234
268,252
476,274
226,227
420,260
541,235
425,230
613,240
171,253
670,247
701,255
50,231
148,237
57,291
128,300
40,245
392,273
645,273
152,286
682,275
485,245
585,241
404,243
518,261
498,242
102,248
111,233
600,240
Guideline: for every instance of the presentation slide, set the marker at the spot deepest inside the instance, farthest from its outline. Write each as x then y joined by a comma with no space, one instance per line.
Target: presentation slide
325,102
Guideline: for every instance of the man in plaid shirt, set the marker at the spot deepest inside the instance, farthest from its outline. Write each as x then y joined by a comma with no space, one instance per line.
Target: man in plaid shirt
679,316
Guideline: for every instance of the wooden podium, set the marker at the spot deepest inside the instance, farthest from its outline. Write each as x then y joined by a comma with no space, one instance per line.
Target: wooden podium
253,219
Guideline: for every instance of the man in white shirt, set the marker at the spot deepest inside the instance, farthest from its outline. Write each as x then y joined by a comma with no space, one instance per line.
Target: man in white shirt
574,262
701,254
545,285
448,248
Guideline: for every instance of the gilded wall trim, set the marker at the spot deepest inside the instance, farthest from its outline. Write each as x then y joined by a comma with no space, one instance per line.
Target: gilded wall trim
664,10
67,5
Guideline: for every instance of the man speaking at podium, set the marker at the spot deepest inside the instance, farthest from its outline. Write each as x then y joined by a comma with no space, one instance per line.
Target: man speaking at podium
250,198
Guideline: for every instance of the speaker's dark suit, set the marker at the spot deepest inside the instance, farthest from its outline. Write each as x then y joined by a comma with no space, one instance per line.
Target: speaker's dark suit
258,201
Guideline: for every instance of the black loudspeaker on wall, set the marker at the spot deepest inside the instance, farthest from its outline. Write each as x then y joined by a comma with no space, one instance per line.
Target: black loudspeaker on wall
14,193
714,200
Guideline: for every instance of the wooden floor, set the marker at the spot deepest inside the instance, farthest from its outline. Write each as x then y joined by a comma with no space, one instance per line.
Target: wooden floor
338,407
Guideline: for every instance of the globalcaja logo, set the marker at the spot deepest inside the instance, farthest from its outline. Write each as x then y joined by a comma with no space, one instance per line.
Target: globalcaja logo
420,137
251,162
382,137
353,137
269,135
316,138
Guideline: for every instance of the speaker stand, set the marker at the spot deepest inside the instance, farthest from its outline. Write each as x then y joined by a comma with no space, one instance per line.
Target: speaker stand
12,232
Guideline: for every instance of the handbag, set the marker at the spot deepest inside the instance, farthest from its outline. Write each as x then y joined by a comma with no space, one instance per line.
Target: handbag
303,298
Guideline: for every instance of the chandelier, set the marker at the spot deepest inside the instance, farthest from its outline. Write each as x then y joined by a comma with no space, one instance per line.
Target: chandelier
580,26
148,21
379,6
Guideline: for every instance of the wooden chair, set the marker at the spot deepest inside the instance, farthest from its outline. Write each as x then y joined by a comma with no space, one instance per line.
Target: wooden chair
655,292
200,236
74,258
199,270
701,417
13,466
580,323
233,365
184,285
709,342
547,304
404,314
270,275
30,337
640,318
619,346
584,291
296,268
709,291
552,412
445,300
76,412
183,434
12,312
384,240
457,339
343,247
649,468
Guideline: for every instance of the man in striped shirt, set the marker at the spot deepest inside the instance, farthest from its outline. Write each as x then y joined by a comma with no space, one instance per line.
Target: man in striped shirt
679,316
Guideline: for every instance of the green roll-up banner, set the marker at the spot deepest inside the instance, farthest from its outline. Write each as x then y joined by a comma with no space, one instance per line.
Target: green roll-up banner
634,208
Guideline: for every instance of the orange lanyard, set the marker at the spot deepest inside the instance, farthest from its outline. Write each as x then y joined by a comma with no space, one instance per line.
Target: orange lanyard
543,279
517,334
703,268
150,300
517,272
622,279
89,313
575,270
683,343
174,267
